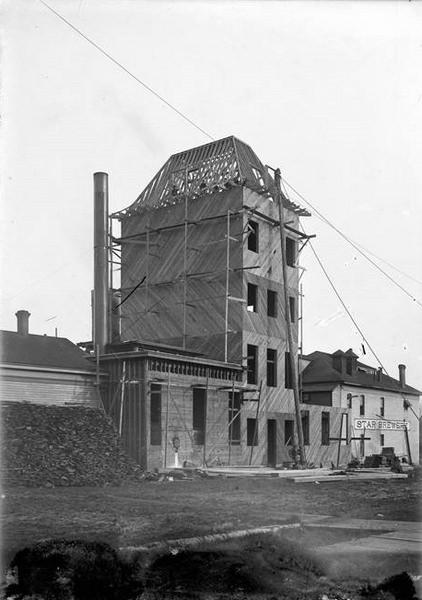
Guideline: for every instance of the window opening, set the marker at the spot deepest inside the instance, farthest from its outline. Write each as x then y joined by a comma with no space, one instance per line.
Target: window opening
305,427
362,405
288,432
271,367
290,252
155,415
252,298
199,413
382,407
325,429
288,374
252,363
271,303
349,400
253,236
251,432
382,439
234,418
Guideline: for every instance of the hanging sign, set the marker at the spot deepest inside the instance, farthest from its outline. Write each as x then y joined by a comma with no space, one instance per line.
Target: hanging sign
382,424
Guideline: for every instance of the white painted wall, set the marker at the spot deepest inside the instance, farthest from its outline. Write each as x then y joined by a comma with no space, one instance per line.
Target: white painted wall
393,410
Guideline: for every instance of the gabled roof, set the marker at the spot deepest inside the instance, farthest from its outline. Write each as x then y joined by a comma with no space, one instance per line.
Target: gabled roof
42,351
321,370
207,169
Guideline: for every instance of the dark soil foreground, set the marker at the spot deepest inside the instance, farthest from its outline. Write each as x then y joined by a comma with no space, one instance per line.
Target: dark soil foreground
257,567
94,522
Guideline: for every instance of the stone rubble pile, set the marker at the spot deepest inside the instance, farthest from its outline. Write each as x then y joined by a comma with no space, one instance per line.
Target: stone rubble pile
49,446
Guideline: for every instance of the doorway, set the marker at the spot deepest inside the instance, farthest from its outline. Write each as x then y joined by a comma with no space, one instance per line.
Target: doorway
272,442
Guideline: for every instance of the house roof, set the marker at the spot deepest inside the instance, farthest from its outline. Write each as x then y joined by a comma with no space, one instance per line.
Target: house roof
321,370
42,351
207,169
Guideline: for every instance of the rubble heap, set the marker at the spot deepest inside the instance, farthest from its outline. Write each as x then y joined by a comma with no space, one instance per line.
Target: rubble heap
48,446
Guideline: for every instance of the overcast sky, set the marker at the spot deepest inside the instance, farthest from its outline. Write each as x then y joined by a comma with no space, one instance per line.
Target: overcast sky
330,92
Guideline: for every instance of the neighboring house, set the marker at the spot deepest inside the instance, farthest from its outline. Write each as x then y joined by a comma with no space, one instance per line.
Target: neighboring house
43,369
370,410
202,289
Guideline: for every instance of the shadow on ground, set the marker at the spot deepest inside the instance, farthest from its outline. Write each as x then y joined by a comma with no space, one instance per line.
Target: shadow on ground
258,566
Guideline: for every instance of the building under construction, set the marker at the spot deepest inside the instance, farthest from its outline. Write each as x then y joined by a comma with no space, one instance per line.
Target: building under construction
200,343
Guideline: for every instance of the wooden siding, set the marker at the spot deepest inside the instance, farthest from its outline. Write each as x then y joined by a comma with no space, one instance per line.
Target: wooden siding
42,387
190,311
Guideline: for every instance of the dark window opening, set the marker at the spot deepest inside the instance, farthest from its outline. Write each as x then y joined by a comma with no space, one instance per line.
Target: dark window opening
318,398
251,432
349,400
253,239
155,415
290,252
271,367
252,363
305,427
292,307
252,297
382,439
325,429
234,418
362,405
382,407
288,432
271,303
288,372
199,415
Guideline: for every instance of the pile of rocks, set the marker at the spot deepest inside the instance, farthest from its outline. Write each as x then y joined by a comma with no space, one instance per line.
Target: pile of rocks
48,446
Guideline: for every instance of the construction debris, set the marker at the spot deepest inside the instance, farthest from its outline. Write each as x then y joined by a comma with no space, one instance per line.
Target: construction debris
49,446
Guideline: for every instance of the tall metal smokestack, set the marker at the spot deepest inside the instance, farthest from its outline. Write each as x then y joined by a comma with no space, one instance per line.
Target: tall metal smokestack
101,284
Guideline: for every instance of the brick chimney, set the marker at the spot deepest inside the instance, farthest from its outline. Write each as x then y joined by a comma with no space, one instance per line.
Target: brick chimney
23,322
402,375
339,361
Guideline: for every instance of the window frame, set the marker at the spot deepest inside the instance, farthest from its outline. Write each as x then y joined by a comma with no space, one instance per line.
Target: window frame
252,297
253,236
155,414
325,428
251,432
291,251
199,415
252,363
271,367
234,418
272,303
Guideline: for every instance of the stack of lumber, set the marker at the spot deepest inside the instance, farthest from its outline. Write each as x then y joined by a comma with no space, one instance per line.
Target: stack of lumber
49,446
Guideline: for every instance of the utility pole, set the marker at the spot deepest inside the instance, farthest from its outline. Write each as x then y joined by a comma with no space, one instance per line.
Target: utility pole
290,342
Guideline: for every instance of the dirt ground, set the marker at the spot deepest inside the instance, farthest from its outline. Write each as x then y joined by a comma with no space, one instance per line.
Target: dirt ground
137,515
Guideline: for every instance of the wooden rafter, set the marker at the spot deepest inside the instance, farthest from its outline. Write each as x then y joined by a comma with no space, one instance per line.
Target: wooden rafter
207,169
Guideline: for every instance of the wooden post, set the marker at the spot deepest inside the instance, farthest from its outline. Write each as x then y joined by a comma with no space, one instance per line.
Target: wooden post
167,420
226,314
407,443
290,343
256,422
143,459
122,398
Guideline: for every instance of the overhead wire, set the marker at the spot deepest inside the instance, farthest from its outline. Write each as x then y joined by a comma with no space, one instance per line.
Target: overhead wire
119,64
355,246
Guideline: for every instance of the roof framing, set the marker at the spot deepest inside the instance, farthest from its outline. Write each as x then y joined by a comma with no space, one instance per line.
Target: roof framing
204,170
